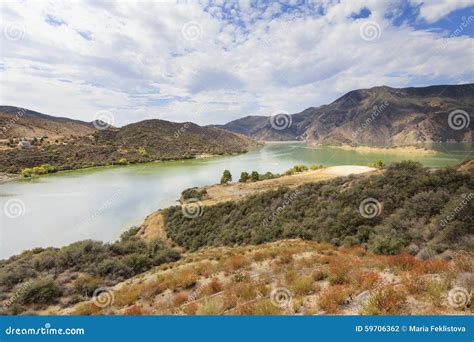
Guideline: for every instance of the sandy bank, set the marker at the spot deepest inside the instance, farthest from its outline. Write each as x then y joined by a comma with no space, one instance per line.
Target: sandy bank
387,150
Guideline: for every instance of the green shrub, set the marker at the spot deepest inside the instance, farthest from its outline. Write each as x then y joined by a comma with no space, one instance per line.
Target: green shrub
38,170
378,164
87,284
254,176
244,177
194,193
41,291
386,245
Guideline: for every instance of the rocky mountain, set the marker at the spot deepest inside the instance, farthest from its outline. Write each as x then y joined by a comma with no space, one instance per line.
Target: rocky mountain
22,123
380,116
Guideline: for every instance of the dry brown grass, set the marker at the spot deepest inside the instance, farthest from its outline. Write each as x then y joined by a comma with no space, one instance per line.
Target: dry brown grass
180,298
235,262
339,271
302,285
387,300
364,280
331,299
213,286
126,295
136,310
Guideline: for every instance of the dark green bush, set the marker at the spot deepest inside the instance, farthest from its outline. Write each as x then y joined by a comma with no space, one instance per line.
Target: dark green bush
40,291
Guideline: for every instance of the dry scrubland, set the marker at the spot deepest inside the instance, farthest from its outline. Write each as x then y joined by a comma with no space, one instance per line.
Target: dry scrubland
319,278
148,272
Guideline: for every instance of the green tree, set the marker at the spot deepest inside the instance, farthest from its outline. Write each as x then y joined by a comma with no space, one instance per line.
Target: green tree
254,177
226,177
244,177
378,164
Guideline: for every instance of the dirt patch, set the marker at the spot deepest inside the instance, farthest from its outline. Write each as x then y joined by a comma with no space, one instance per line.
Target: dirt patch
232,192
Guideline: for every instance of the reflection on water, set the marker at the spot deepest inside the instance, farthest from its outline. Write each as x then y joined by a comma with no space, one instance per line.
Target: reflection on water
101,203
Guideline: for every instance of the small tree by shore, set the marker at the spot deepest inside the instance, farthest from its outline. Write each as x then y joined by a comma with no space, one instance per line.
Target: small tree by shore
226,177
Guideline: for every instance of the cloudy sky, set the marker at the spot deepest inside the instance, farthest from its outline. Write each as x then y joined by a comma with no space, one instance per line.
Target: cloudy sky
212,62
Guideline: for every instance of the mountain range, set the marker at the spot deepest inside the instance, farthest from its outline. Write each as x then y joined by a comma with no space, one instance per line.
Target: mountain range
379,117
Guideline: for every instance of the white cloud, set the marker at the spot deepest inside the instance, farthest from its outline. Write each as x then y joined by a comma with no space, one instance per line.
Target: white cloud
433,10
135,60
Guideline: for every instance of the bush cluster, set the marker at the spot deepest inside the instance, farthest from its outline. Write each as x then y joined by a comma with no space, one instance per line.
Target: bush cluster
414,201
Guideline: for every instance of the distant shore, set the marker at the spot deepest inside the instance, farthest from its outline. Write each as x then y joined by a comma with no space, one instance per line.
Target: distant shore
387,150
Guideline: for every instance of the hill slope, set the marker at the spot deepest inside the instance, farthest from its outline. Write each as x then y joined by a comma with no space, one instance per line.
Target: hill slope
140,142
380,116
24,123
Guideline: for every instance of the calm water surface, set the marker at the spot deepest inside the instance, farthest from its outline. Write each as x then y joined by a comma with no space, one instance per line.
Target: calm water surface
101,203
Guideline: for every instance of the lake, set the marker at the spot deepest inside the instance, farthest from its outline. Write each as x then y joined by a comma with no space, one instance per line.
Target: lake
101,203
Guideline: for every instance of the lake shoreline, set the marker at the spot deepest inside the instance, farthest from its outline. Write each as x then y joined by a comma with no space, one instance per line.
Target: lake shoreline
385,150
12,177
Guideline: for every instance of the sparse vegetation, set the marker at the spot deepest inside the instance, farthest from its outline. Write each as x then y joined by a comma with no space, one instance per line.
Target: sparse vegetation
88,264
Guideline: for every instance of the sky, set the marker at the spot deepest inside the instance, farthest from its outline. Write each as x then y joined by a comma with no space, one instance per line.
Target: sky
213,62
